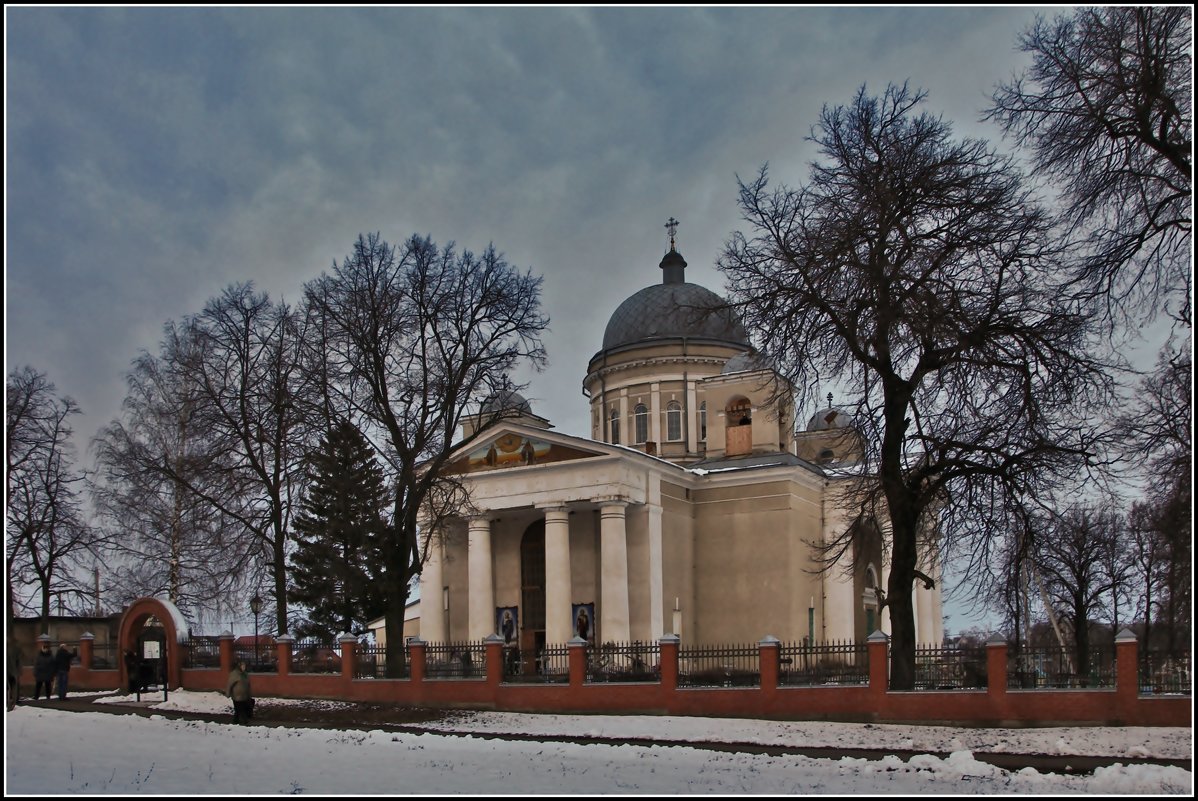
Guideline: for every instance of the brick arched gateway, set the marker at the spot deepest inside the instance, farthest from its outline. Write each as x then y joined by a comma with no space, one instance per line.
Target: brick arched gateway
174,625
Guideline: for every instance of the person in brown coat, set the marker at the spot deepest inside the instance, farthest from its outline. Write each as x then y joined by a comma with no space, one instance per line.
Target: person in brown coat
239,690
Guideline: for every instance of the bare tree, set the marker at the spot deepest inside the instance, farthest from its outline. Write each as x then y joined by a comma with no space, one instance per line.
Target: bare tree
918,270
46,533
155,466
418,334
1073,553
252,389
1106,107
1158,429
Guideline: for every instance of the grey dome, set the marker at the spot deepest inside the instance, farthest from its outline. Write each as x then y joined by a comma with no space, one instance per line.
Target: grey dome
665,311
505,401
745,362
829,418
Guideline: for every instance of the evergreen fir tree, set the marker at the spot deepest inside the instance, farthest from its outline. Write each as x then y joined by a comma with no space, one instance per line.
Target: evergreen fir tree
338,535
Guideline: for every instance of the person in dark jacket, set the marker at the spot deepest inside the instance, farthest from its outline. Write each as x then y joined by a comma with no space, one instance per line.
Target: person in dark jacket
62,666
14,673
43,671
133,669
239,690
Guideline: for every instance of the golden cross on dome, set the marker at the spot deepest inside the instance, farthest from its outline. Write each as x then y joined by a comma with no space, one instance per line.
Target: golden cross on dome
672,227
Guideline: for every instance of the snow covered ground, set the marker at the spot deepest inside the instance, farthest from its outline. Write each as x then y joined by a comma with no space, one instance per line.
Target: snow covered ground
56,752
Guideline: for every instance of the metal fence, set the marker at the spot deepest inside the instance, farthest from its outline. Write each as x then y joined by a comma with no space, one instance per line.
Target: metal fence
315,656
106,656
1055,668
263,659
551,665
202,654
724,666
811,663
370,662
624,661
1162,674
951,668
455,660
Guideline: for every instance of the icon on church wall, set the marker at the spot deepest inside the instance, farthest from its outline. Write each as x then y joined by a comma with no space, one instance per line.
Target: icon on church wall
584,622
506,620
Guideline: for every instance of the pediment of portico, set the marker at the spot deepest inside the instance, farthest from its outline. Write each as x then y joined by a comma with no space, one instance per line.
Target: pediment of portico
513,446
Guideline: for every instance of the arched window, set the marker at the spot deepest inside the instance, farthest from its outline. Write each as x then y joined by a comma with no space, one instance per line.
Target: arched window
641,418
703,421
615,426
674,421
740,412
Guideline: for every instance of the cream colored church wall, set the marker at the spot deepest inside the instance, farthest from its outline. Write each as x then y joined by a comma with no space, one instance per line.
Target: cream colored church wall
744,578
637,528
678,557
455,574
584,557
506,535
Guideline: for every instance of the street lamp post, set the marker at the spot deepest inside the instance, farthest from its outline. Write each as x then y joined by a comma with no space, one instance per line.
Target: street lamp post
256,607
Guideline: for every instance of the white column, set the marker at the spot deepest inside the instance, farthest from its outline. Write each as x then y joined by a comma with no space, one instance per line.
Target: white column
482,583
927,610
884,617
432,584
613,600
656,580
559,625
937,605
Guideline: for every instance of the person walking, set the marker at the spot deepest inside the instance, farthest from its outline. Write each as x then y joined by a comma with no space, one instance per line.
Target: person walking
62,666
43,671
239,690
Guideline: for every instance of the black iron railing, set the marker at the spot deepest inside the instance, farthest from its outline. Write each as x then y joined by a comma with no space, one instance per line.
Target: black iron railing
203,653
823,663
624,661
1162,674
455,660
1057,668
105,656
551,665
950,668
315,656
370,662
722,666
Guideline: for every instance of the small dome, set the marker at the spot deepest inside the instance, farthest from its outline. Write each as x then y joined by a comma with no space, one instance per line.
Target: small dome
829,418
508,400
748,361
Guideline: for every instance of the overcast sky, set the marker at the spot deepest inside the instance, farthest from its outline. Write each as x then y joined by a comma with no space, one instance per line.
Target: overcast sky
154,156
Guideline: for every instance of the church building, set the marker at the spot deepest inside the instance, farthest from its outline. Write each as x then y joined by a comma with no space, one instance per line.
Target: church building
697,506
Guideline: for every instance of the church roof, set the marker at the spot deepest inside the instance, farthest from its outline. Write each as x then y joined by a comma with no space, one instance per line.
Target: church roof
673,309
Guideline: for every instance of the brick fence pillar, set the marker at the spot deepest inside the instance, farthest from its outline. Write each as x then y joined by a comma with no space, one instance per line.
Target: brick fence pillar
769,650
669,662
1127,677
996,675
226,652
996,667
577,649
87,644
417,649
878,648
349,657
283,647
494,646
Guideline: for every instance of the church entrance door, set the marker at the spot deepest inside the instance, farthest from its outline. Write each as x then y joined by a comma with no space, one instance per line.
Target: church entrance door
532,595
